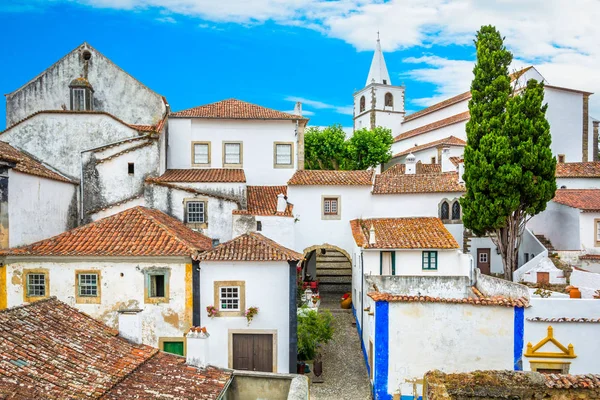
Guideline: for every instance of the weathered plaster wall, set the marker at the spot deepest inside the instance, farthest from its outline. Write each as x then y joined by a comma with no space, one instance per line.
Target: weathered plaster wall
39,208
122,287
560,224
409,263
491,286
587,230
273,306
115,91
583,336
587,282
279,229
451,287
257,137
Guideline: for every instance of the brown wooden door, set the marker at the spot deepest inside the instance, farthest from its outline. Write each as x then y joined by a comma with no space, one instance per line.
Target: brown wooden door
253,352
483,261
543,278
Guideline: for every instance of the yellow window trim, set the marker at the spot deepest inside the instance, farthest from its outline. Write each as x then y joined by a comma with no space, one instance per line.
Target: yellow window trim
43,271
163,339
565,352
88,299
157,271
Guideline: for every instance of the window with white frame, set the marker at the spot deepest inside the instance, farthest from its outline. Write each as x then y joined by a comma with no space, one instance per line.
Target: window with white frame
232,153
483,257
229,298
283,154
195,212
78,99
330,206
87,285
36,285
201,153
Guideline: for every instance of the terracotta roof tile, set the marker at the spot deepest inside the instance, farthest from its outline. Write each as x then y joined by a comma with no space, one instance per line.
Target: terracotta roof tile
323,177
27,164
464,116
589,169
262,200
138,231
449,141
250,247
457,160
49,350
446,182
561,381
400,169
403,233
205,175
583,199
234,109
590,257
438,106
565,319
479,301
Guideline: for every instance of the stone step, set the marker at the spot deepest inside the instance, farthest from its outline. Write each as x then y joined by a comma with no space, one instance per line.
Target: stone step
332,272
335,288
340,258
335,279
334,265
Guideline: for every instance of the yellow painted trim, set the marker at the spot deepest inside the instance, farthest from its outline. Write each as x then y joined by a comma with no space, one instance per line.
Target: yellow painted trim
565,352
157,300
3,288
242,285
28,299
564,366
162,340
88,299
189,297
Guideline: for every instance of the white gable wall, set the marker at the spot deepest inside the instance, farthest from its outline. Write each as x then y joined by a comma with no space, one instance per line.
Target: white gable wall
560,224
457,130
587,230
578,183
435,116
277,228
565,117
451,262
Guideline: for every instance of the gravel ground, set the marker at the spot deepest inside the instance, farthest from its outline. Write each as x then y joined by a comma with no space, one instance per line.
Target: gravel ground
344,371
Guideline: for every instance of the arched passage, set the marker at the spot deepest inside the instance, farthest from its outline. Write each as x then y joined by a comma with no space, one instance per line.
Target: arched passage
331,266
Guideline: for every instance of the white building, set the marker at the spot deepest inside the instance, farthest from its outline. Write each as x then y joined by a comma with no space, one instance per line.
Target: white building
250,271
139,259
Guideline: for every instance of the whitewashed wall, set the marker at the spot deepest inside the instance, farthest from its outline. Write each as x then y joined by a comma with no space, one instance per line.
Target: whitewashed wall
457,130
117,292
425,155
565,111
586,281
409,263
273,305
583,336
496,265
578,183
406,205
138,201
257,136
39,208
560,224
445,112
458,338
311,229
279,229
587,230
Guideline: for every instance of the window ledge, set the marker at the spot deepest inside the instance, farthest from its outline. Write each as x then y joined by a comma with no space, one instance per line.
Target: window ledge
331,217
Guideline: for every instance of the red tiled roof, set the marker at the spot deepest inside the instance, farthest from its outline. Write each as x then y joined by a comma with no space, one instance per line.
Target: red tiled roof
568,89
446,182
449,141
49,350
589,169
464,116
28,165
403,233
562,381
420,168
590,257
326,177
234,109
205,175
457,160
138,231
583,199
250,247
565,319
262,200
439,106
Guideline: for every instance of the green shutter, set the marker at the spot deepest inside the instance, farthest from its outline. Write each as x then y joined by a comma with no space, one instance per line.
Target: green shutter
423,266
393,263
173,348
434,253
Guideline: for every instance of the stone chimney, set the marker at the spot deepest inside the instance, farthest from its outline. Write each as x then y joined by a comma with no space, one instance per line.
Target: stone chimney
298,108
197,347
447,165
281,203
595,141
130,324
461,171
372,238
411,164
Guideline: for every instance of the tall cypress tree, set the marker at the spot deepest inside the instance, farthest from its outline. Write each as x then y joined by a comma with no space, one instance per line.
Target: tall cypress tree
509,167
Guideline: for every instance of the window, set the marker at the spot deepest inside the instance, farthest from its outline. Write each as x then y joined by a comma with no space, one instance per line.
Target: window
81,95
389,100
229,298
195,212
78,99
156,289
561,158
597,231
385,81
258,226
88,285
130,168
483,258
387,263
456,210
444,211
430,260
216,242
157,286
36,285
283,157
330,206
173,345
200,153
232,154
433,160
362,103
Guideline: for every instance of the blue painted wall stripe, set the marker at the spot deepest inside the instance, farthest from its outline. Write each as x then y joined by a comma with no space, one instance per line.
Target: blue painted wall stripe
519,338
362,344
382,354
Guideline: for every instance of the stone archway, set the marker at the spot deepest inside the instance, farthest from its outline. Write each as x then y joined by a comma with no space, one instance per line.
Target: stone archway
331,266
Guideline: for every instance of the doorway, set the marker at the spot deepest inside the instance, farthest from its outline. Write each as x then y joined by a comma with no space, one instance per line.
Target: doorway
483,261
252,352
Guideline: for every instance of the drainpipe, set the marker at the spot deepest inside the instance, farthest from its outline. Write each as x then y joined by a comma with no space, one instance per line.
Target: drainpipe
362,292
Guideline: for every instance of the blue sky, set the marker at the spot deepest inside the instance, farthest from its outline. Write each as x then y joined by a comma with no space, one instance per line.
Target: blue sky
276,51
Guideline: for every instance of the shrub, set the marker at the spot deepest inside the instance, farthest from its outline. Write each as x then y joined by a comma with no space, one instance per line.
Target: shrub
314,329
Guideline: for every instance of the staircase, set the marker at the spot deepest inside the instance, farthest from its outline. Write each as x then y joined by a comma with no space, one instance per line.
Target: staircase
334,272
546,243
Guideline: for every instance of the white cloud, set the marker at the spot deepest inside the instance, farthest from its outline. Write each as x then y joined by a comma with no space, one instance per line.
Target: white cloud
346,110
305,113
167,19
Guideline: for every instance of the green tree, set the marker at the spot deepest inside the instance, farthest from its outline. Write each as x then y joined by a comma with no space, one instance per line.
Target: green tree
369,147
314,329
325,148
509,167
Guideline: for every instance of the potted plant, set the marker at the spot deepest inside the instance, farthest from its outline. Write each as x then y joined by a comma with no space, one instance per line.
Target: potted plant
212,311
314,329
251,313
316,300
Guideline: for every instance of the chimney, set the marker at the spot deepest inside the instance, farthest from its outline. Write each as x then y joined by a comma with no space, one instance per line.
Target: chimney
281,203
447,165
130,324
197,347
595,141
372,238
461,171
298,108
411,164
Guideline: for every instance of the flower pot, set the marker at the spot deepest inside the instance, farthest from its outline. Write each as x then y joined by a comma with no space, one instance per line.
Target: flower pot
300,368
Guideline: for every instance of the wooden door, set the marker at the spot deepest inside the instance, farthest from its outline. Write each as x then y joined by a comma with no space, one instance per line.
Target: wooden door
253,352
543,277
483,261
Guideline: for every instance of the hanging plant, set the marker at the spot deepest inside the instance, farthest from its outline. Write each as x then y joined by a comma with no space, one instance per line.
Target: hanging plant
212,311
250,313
